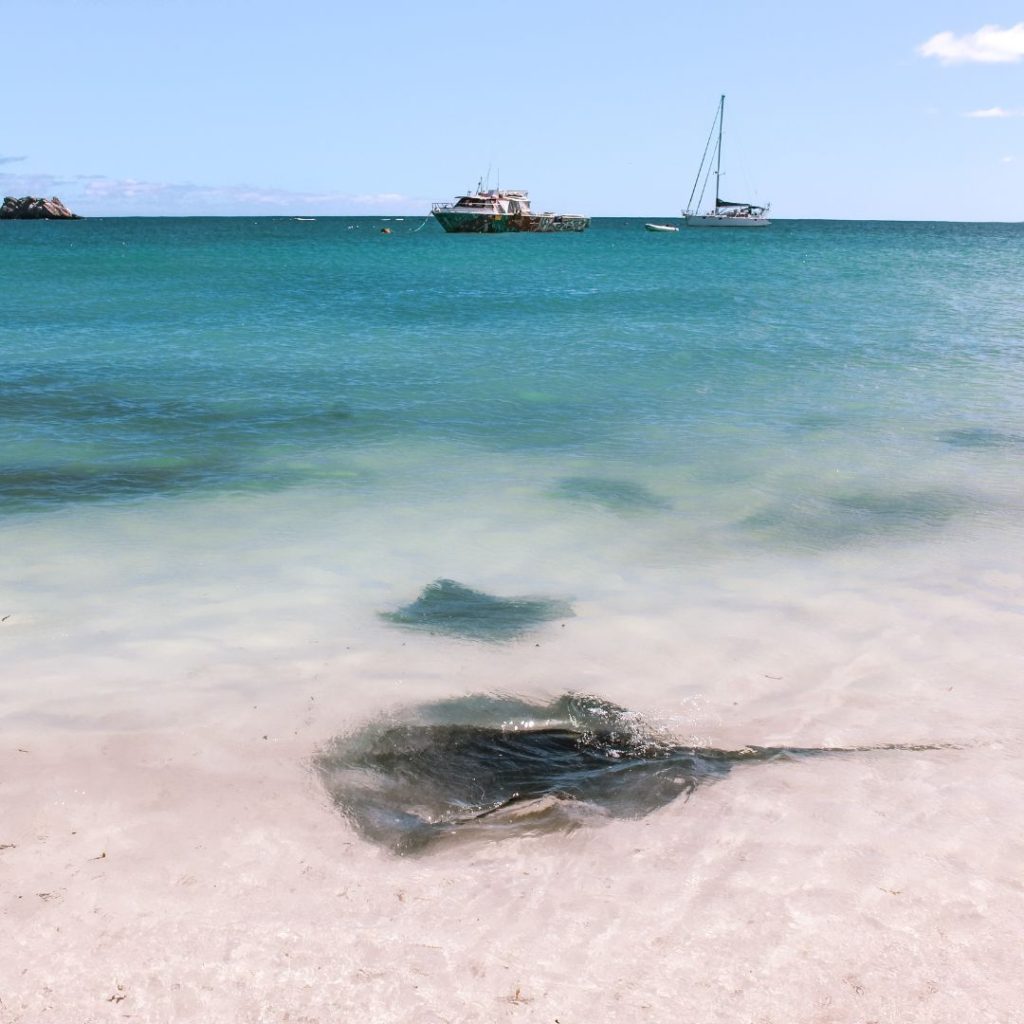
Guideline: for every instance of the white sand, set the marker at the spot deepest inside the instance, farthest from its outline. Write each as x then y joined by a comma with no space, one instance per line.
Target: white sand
208,880
163,861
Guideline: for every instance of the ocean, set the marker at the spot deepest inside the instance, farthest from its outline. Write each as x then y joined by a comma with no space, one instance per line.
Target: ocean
770,480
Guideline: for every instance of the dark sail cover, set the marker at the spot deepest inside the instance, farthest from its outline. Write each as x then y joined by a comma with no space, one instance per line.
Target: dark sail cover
724,203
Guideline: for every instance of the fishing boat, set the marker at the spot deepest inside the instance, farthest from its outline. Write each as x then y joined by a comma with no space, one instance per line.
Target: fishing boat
660,227
725,213
500,210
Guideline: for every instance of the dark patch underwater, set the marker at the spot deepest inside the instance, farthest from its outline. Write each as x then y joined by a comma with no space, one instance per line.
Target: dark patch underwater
980,437
610,494
856,517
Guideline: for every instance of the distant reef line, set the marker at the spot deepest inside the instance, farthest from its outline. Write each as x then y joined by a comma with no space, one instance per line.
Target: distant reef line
32,208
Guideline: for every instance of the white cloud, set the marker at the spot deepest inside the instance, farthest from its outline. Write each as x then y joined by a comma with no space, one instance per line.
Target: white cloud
11,159
29,184
380,199
989,45
99,195
995,112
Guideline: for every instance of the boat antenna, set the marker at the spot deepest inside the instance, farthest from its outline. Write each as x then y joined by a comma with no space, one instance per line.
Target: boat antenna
700,170
718,166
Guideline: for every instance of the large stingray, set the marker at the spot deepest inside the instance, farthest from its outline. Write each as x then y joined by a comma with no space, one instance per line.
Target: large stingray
493,766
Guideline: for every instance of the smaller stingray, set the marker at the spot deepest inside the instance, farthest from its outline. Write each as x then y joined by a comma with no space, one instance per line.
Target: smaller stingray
493,767
449,607
611,495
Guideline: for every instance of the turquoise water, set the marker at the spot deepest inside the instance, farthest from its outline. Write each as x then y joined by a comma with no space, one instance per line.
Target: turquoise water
151,358
229,445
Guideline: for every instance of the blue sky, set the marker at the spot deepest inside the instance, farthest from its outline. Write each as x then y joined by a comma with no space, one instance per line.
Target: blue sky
310,106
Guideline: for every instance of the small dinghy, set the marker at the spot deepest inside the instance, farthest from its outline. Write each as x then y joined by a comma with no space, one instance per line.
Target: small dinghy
660,227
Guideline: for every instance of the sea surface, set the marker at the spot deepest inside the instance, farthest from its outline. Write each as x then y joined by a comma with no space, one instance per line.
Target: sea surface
770,483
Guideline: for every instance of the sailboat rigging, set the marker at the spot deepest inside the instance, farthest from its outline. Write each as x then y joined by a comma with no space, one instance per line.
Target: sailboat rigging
725,213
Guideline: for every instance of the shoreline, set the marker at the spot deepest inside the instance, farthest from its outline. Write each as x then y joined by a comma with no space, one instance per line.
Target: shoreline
266,907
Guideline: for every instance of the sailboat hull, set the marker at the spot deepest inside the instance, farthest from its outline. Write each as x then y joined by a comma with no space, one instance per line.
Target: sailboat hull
697,220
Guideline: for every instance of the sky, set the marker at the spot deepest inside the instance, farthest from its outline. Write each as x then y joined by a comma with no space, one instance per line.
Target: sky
898,110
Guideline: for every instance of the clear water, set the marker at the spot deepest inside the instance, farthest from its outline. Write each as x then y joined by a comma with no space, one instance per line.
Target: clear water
202,413
775,477
148,358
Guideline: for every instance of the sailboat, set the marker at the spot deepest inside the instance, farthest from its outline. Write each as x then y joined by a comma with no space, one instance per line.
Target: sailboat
725,213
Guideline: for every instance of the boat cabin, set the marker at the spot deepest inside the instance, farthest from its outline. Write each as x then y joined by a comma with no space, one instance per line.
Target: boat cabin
495,201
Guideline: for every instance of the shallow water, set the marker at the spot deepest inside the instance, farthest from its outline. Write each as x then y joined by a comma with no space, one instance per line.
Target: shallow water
776,476
231,434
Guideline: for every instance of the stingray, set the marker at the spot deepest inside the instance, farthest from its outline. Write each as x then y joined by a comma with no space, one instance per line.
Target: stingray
448,607
491,767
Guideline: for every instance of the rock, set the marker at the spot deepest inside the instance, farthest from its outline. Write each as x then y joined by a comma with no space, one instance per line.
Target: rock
30,208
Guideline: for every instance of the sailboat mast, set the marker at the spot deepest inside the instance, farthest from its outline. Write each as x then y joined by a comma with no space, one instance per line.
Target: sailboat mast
718,166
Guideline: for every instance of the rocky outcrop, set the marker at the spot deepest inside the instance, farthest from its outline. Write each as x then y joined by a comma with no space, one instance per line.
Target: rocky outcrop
30,208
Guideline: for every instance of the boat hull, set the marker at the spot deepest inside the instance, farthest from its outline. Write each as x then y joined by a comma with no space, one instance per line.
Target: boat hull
660,227
501,223
694,220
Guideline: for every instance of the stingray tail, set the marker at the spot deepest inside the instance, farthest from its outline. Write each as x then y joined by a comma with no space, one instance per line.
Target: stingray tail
763,754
